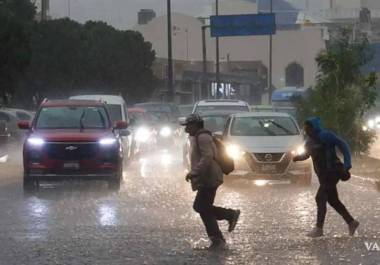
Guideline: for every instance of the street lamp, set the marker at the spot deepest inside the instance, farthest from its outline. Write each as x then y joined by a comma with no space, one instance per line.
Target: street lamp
217,72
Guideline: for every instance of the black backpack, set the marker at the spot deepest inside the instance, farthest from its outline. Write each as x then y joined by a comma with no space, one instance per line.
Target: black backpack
225,162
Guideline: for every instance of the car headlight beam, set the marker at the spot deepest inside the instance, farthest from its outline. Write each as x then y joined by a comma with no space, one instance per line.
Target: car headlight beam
234,151
142,135
35,141
107,141
165,132
300,150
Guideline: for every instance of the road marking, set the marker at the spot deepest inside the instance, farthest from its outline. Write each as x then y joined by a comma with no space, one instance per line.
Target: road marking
4,159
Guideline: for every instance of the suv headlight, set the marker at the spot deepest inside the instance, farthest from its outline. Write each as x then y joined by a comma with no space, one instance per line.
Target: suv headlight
107,141
35,141
234,151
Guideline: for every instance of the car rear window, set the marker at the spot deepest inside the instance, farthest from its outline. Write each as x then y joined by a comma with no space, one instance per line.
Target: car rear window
212,108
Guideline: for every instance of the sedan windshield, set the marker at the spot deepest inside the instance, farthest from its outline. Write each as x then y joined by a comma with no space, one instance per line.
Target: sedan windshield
263,126
72,118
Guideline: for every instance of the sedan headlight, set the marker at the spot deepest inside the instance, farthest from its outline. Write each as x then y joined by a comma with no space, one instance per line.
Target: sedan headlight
35,141
142,135
107,141
166,132
234,151
300,150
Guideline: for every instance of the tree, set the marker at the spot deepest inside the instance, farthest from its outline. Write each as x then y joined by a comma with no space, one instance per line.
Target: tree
71,58
343,94
16,18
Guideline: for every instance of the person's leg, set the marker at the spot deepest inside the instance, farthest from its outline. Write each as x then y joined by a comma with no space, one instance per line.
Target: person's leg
333,200
321,199
203,205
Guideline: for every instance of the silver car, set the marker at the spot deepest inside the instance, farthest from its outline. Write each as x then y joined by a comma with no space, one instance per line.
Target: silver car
263,144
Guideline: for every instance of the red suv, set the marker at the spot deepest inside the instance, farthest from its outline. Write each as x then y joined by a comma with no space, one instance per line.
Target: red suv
72,139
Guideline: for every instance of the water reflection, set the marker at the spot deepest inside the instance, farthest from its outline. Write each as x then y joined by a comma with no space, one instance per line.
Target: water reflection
107,215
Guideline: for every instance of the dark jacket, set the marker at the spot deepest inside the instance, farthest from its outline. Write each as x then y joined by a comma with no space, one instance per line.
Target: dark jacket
322,149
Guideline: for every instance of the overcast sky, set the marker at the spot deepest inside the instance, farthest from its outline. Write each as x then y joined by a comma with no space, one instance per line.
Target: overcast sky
123,13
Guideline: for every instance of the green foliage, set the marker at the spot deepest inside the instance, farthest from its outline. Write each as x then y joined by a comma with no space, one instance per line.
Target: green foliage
343,93
58,58
16,18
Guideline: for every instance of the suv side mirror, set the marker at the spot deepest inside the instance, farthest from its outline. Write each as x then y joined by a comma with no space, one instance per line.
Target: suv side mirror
24,125
120,125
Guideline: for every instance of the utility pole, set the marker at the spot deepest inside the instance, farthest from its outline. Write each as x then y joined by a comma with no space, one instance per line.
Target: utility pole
270,88
170,55
217,54
44,8
204,56
68,8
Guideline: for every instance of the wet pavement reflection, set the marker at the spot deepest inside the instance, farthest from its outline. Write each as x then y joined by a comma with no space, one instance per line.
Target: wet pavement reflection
151,221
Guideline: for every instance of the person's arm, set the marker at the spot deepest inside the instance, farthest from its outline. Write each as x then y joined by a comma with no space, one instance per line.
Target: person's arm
205,147
342,145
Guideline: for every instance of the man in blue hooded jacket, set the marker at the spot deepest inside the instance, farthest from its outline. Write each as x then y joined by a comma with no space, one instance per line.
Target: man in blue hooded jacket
321,147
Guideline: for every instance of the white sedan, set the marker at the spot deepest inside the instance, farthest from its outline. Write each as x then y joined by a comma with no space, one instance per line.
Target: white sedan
262,145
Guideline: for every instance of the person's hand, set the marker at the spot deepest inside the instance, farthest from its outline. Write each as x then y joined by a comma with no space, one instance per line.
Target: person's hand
189,176
296,159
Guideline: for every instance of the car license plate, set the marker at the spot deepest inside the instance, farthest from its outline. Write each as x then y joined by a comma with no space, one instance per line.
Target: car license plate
268,168
71,165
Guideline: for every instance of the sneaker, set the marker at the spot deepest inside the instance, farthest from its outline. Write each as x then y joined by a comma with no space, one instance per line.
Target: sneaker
218,244
316,232
233,221
352,227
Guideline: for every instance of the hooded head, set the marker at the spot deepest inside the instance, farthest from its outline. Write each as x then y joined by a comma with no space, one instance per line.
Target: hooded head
313,126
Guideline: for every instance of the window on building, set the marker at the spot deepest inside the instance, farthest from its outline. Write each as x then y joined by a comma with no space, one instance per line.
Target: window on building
294,75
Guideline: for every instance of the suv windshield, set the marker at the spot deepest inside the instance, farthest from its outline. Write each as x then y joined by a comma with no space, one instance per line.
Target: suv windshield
263,126
203,109
73,118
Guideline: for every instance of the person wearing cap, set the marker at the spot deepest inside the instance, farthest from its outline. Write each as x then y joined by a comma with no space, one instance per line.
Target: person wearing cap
206,176
320,146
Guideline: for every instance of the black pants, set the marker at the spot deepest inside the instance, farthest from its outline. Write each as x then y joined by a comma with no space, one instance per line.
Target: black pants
328,193
203,204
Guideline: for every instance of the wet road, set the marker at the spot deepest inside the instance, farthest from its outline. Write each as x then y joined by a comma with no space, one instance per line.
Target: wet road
150,221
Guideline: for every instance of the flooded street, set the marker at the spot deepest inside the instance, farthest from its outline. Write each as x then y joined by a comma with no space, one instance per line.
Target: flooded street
151,221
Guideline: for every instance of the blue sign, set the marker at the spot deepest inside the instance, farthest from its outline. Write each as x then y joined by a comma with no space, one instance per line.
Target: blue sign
243,25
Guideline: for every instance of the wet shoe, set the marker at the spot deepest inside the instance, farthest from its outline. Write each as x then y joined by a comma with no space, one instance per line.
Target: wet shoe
234,220
218,244
352,227
316,232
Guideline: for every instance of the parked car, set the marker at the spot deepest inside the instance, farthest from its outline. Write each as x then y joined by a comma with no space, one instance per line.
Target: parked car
72,139
118,111
221,105
8,123
263,144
